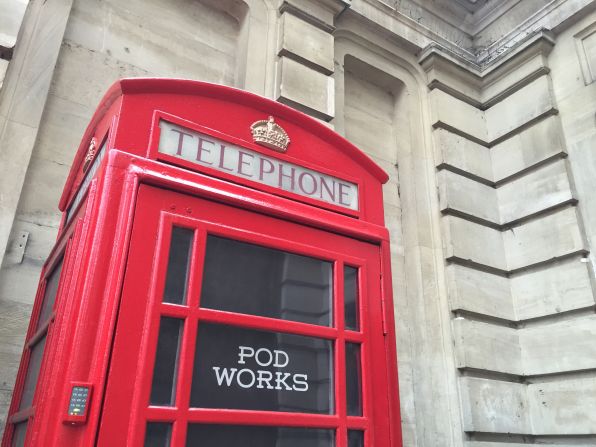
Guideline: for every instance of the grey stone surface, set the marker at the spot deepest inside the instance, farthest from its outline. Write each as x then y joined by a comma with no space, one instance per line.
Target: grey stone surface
555,288
487,347
11,17
306,42
479,292
540,142
463,195
543,239
566,406
305,88
461,154
494,406
568,345
542,189
468,241
518,109
449,112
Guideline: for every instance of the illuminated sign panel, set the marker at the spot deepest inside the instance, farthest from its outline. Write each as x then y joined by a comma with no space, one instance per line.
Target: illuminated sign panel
238,161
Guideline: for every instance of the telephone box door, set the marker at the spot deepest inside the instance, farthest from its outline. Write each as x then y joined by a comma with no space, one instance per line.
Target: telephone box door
237,328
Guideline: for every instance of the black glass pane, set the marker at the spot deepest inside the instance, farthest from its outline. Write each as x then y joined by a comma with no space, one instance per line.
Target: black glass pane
18,437
49,296
248,369
163,389
178,260
32,373
249,436
158,434
353,380
255,280
355,438
351,297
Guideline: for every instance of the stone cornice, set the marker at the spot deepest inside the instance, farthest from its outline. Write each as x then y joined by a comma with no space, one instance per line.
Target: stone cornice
484,86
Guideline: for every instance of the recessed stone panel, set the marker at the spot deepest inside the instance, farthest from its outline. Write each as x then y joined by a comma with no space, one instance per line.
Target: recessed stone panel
537,191
568,345
554,288
471,242
531,146
475,291
518,109
494,406
543,239
487,346
462,195
301,40
305,88
459,153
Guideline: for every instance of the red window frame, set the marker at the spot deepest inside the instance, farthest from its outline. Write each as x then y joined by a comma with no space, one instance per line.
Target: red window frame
126,410
63,257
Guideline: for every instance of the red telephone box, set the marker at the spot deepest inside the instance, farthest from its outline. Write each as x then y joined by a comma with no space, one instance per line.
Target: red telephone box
221,277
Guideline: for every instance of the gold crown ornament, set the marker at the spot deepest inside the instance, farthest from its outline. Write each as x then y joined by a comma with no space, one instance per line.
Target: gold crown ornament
270,134
90,155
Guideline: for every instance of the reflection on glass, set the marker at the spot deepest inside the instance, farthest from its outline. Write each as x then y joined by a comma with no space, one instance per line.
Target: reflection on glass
163,389
178,260
18,437
251,436
351,297
32,373
353,380
250,279
249,369
355,438
49,296
158,434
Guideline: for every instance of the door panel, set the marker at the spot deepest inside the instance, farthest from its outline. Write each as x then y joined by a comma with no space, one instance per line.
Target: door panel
237,328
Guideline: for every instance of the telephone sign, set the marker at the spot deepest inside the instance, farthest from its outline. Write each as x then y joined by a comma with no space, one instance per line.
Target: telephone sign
241,162
221,277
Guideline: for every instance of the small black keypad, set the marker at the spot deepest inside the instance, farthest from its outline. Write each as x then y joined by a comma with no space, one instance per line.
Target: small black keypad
78,401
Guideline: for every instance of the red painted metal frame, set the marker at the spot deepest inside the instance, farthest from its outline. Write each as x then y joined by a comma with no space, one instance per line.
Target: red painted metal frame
79,345
155,217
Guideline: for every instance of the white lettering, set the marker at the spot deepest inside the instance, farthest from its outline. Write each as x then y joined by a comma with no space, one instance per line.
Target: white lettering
261,378
277,363
247,378
281,377
242,354
303,382
269,355
224,375
252,378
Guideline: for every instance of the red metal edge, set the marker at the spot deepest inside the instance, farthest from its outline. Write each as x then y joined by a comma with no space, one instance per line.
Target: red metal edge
390,346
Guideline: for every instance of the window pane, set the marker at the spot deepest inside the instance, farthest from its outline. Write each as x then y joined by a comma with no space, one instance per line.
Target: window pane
49,296
353,380
32,373
355,438
163,390
248,369
250,436
177,275
250,279
18,437
351,297
158,434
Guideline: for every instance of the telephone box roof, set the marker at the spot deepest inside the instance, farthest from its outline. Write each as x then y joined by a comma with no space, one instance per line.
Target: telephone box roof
129,87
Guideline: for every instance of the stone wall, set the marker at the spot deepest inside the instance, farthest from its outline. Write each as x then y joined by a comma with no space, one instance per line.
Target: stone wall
485,127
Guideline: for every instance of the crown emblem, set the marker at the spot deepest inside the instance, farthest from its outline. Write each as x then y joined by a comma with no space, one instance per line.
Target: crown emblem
270,134
90,154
